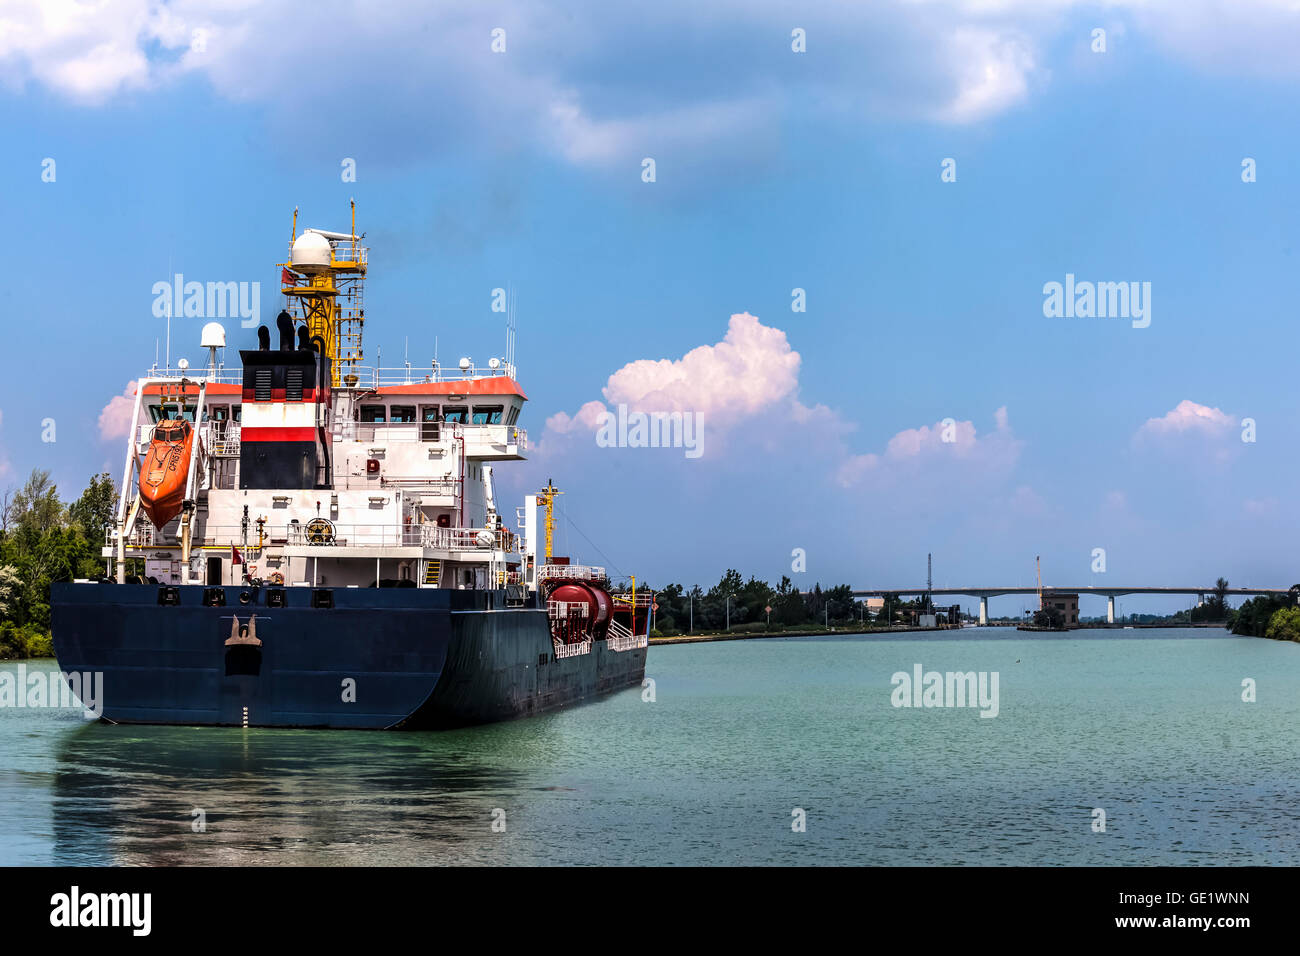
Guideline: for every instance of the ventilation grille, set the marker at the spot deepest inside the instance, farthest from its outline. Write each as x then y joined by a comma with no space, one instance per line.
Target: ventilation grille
262,385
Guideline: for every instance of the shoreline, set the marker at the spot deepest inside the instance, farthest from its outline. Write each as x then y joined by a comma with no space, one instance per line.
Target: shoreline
907,629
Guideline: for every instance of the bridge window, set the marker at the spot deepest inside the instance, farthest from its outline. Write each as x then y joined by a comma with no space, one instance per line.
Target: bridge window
487,414
372,414
513,416
402,413
455,414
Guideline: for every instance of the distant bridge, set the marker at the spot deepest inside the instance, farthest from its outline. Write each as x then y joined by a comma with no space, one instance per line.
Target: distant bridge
1108,592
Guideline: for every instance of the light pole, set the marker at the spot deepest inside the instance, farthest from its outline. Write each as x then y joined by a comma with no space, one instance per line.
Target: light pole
692,627
728,612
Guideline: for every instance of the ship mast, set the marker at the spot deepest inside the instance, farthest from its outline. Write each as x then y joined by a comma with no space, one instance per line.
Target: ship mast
548,499
324,288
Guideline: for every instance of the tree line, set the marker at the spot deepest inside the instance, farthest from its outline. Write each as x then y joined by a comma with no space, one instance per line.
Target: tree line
42,539
742,606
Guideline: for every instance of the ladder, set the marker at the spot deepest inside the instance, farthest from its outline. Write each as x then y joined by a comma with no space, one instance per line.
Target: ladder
433,572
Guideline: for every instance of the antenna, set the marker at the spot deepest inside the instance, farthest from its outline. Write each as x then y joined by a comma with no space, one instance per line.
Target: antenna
510,327
169,314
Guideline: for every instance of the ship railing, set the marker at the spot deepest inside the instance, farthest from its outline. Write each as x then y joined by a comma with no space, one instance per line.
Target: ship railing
305,533
570,572
143,535
566,610
408,484
343,251
369,376
297,533
624,598
465,539
572,650
221,439
619,638
197,376
475,434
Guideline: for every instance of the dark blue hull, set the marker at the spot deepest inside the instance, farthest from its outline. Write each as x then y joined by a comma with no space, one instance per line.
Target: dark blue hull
377,658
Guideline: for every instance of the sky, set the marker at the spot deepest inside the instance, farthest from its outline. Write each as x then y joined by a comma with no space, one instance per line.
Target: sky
840,266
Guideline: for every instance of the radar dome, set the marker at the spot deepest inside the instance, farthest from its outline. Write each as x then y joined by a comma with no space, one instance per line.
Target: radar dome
214,336
311,253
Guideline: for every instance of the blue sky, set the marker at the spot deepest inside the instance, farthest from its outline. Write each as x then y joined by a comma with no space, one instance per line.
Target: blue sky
185,134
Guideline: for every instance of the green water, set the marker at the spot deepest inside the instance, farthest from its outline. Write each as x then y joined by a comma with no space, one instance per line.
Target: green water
1149,726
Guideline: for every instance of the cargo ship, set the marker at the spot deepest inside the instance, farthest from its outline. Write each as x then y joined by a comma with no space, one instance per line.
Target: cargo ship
306,541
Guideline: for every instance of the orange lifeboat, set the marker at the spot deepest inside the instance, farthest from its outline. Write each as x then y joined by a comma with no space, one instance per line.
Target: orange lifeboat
162,482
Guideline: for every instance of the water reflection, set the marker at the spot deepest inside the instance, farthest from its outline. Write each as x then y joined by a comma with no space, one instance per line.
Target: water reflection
128,795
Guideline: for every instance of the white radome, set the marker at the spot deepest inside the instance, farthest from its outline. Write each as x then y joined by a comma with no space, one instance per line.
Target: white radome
311,253
484,539
214,336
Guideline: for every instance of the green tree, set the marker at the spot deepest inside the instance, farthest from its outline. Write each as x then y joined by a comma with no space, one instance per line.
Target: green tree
1284,625
10,585
36,508
96,506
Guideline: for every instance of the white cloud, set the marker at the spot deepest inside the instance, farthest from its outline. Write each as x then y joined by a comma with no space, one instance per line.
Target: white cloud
747,383
598,84
86,51
115,418
995,71
752,368
1187,417
925,450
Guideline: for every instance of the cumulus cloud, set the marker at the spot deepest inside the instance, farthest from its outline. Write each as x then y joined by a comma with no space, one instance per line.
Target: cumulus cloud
752,368
1187,417
86,51
599,84
588,418
748,382
928,448
995,71
115,418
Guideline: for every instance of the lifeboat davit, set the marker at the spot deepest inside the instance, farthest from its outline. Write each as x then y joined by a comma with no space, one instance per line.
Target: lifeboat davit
166,464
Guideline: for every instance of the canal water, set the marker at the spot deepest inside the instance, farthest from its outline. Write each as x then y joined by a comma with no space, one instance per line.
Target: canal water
742,742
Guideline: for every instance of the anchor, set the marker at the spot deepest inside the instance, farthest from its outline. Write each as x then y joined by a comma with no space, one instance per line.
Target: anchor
243,634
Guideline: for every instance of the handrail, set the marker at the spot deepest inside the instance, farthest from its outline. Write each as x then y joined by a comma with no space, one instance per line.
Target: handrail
572,650
570,572
563,610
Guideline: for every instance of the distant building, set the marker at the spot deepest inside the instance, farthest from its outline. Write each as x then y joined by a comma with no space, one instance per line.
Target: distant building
874,604
1064,601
